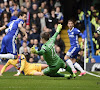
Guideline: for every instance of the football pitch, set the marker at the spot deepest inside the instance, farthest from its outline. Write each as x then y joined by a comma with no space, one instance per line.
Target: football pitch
10,82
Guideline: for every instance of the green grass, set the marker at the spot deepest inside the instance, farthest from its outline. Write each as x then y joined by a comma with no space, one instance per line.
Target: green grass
9,82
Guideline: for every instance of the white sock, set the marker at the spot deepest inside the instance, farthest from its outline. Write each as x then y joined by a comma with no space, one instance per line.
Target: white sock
7,56
69,62
78,67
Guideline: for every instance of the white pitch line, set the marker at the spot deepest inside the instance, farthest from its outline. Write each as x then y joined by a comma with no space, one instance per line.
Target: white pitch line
92,74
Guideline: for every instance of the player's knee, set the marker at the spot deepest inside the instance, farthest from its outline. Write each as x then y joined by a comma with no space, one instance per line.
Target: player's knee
66,57
15,57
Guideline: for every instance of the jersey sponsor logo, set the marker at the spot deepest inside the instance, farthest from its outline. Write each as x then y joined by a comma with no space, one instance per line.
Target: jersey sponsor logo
71,36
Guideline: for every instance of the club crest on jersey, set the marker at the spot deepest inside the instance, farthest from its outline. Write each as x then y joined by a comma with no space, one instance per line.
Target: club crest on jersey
72,33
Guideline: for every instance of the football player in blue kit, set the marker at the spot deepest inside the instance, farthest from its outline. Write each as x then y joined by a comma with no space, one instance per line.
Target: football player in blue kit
72,53
8,47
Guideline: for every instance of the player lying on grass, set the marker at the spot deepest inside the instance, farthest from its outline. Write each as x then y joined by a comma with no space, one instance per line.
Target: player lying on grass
50,56
23,66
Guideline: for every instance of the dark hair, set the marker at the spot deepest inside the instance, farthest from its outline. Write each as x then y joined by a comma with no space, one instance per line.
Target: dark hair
45,35
71,20
21,13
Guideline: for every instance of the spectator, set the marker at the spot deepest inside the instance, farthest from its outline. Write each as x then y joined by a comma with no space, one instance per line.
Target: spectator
11,3
31,60
91,11
80,20
93,60
46,13
80,58
35,35
96,41
2,8
59,52
43,21
21,49
26,53
18,39
7,10
54,30
59,42
35,2
36,44
59,15
28,6
31,43
41,8
34,9
15,15
51,5
42,61
53,17
36,20
57,4
22,8
28,29
0,41
5,3
35,57
26,1
15,7
24,40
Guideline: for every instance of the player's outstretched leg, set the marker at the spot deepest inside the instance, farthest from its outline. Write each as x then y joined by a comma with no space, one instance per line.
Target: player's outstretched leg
76,65
70,71
69,62
7,56
68,76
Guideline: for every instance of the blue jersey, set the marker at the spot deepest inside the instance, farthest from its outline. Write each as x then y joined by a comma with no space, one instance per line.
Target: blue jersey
13,27
73,36
8,42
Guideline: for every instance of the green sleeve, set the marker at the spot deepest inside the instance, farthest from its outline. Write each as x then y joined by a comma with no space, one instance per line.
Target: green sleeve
41,52
53,38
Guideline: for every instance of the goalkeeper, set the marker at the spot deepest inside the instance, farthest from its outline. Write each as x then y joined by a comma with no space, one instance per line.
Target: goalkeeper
50,56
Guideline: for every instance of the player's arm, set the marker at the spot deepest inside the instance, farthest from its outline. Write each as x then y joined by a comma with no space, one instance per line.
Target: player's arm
21,68
53,38
4,67
3,27
22,29
41,52
81,34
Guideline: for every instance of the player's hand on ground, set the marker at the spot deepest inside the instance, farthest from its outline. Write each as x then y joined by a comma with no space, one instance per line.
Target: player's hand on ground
1,74
59,27
33,50
16,75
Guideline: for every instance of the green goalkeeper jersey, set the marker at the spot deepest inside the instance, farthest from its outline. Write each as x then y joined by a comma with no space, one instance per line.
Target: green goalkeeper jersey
49,53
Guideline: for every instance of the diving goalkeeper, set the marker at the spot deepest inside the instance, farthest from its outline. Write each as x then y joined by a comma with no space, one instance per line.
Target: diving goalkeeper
50,56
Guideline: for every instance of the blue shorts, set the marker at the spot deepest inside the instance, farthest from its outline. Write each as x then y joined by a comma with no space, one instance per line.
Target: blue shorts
8,45
73,52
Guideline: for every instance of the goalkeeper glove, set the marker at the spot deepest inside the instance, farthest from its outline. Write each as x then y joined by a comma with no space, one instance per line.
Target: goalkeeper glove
59,27
33,50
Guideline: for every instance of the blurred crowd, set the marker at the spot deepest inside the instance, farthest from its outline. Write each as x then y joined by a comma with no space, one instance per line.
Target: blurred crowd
94,15
42,15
